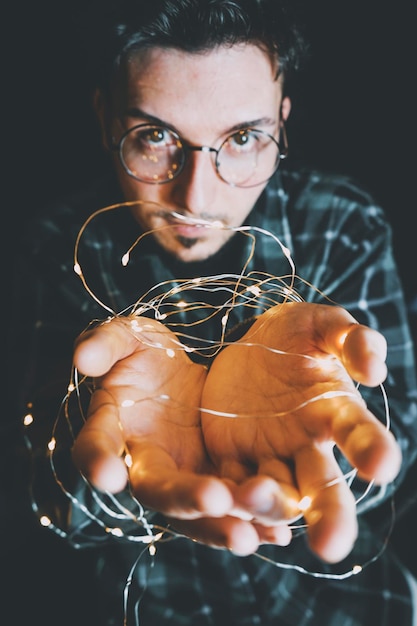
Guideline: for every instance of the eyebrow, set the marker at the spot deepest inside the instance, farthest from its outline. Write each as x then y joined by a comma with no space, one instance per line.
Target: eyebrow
135,112
261,121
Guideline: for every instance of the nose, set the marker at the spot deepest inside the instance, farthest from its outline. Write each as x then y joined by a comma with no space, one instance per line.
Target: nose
196,187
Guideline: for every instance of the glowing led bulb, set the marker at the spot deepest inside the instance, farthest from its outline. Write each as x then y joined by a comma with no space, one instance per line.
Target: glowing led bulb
255,290
128,460
304,503
28,419
135,326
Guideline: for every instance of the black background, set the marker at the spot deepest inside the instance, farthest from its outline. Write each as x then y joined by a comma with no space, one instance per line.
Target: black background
354,114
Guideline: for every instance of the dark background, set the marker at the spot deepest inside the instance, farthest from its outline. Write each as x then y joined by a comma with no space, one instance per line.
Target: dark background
354,114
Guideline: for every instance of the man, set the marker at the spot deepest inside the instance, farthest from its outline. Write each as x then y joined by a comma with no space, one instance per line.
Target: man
260,437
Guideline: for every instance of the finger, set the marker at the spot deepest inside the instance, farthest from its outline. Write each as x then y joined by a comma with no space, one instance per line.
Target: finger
361,349
267,500
97,451
364,354
97,350
367,443
158,484
278,535
330,511
261,496
332,523
238,536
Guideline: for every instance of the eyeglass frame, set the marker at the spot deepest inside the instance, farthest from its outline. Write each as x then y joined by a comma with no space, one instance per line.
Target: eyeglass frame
282,153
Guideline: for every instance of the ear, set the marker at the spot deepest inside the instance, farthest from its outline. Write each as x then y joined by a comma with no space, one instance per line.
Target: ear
285,108
101,110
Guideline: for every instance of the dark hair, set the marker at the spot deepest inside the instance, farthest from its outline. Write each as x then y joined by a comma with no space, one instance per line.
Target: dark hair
193,26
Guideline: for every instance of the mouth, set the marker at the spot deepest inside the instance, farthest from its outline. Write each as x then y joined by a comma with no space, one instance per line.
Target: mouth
189,226
198,222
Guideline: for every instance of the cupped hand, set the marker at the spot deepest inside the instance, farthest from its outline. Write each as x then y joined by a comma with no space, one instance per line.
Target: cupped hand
146,403
275,404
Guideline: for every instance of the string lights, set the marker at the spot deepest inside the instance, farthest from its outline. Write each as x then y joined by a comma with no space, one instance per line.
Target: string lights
181,305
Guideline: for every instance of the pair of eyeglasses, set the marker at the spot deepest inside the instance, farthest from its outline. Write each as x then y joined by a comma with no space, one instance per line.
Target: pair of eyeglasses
157,154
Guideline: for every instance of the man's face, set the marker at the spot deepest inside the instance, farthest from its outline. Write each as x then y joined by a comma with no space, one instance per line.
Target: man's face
204,97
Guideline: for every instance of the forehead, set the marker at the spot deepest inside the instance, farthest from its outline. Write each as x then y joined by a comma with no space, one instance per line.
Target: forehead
226,85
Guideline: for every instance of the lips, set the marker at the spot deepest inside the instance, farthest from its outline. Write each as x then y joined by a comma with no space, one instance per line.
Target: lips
189,226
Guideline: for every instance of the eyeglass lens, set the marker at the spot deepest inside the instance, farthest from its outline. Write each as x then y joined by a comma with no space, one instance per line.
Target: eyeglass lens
156,154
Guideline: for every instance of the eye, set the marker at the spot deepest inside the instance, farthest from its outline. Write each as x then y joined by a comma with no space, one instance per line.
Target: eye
156,136
153,137
242,137
242,141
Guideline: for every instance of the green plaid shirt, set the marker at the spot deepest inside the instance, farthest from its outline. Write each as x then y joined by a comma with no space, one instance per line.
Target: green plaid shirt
341,243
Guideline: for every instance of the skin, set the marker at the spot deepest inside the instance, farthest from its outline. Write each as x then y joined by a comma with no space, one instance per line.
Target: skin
230,483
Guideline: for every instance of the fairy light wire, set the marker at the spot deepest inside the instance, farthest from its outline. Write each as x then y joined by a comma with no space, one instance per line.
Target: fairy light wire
245,289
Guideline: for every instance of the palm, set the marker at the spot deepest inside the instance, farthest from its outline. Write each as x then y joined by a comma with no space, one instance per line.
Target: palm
157,390
148,406
281,400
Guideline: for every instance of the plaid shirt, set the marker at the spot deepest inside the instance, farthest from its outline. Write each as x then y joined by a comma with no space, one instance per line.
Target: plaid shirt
340,243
